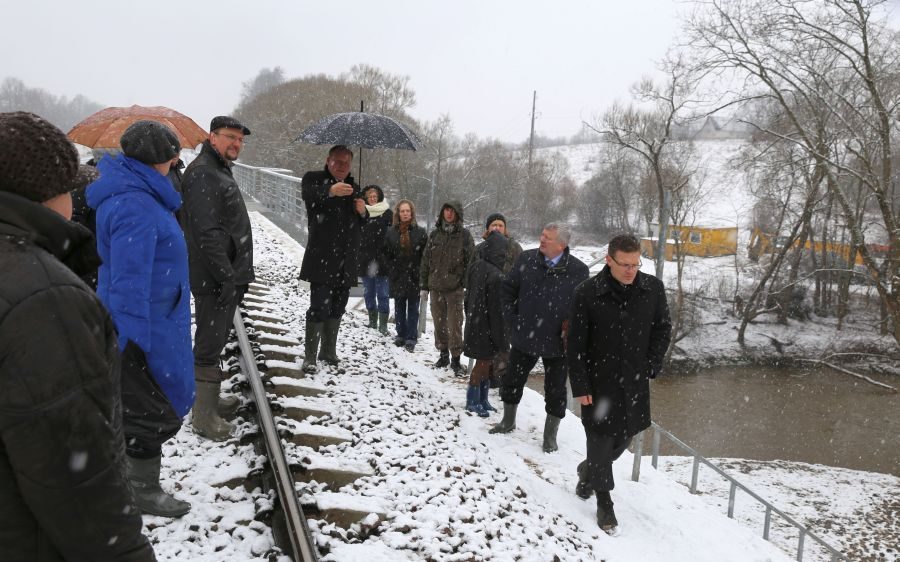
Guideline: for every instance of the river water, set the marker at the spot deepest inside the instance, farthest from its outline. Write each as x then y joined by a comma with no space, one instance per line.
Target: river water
763,413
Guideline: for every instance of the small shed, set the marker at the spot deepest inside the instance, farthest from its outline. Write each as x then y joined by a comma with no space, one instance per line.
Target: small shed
700,241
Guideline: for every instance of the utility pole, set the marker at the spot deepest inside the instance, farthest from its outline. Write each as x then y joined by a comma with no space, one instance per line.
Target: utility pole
530,153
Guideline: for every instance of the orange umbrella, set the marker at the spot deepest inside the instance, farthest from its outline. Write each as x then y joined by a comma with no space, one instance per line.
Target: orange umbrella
104,128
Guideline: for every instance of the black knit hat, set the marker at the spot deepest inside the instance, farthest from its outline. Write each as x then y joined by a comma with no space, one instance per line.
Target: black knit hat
37,161
494,217
151,142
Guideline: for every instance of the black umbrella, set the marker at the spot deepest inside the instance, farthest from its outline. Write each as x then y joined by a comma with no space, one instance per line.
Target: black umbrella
365,130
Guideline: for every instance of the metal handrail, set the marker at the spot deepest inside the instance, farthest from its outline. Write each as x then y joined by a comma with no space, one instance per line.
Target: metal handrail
302,543
275,190
659,432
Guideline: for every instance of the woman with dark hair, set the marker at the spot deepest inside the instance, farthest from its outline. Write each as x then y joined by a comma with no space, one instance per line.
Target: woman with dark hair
403,247
371,261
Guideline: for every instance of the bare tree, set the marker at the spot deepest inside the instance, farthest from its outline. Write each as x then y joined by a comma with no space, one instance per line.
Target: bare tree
649,133
831,67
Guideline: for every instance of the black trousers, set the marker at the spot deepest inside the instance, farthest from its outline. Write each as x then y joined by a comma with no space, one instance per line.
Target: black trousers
326,302
213,323
602,451
520,365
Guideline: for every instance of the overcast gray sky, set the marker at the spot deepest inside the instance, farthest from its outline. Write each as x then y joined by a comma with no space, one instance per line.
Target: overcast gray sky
477,60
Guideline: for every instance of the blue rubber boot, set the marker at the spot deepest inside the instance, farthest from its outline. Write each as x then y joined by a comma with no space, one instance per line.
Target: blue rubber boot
473,401
485,391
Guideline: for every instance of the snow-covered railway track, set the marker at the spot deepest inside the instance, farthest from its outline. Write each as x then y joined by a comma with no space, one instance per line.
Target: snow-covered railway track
282,404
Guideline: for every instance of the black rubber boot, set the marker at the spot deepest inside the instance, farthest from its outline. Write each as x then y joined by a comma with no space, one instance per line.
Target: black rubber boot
311,346
606,515
583,489
373,319
328,351
399,341
383,322
443,360
508,423
143,474
551,427
206,420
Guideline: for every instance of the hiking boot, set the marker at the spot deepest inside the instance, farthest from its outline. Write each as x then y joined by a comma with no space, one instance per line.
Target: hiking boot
606,515
583,489
311,346
149,497
443,360
399,341
410,346
508,423
551,427
457,367
206,420
373,319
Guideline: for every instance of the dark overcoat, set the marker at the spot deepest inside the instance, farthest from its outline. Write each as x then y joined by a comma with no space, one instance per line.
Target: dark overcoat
371,256
485,334
618,336
216,224
403,267
63,491
334,232
537,299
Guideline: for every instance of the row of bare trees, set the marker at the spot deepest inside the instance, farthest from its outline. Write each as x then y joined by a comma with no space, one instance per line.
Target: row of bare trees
818,82
62,111
486,175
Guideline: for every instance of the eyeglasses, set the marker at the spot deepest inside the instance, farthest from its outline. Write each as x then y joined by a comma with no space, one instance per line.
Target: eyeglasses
232,138
628,266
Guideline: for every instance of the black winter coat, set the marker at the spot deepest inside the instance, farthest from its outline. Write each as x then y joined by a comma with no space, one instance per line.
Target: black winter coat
371,256
537,299
216,224
618,337
485,333
403,268
63,491
334,227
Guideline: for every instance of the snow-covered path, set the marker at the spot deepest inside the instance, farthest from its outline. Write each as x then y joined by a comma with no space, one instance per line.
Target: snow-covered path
451,491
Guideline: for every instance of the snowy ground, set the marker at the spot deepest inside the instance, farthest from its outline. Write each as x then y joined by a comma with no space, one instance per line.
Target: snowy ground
450,490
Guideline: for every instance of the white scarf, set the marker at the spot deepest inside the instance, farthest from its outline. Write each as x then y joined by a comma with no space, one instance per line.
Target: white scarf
377,209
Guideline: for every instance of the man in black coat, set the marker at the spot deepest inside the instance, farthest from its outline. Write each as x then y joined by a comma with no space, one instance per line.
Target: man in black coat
335,212
63,490
537,294
618,336
220,253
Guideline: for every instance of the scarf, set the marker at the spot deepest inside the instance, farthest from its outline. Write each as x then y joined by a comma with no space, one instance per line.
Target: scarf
405,244
377,209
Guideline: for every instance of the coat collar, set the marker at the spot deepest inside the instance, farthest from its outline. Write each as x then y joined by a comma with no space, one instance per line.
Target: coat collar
603,281
69,242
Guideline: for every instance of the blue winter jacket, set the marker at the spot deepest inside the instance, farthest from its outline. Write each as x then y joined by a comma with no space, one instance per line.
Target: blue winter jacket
144,277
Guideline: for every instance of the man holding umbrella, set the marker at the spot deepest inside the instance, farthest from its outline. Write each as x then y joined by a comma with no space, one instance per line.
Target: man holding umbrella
335,212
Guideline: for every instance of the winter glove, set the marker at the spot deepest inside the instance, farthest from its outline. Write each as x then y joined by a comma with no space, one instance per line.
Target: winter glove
565,335
226,294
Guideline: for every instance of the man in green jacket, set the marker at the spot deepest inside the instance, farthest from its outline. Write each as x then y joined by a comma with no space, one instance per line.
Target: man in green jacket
443,274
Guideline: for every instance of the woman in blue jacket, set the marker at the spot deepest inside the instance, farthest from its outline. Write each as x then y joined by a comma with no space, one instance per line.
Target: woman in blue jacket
144,284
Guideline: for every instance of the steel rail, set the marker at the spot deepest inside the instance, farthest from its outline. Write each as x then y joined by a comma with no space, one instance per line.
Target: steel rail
698,459
302,543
